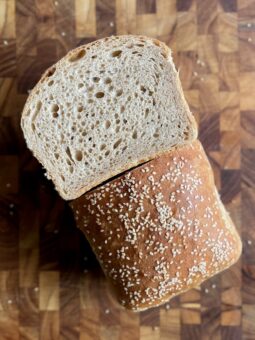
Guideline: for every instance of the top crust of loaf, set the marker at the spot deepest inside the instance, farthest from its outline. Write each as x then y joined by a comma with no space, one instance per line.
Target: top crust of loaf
159,229
105,108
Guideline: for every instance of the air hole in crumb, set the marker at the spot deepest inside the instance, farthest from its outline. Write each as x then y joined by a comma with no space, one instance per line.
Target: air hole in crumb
153,102
108,81
119,93
78,55
99,94
116,144
143,89
107,124
117,129
56,155
116,53
54,108
96,79
55,114
125,121
50,82
122,109
63,178
156,135
134,135
78,155
107,153
71,169
147,112
50,72
80,85
100,158
102,147
33,126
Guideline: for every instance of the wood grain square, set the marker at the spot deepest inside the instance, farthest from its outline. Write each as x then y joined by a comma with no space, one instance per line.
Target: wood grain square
247,50
7,19
130,324
191,332
230,185
85,18
29,307
230,150
12,331
209,132
229,111
207,54
229,6
227,32
228,71
248,129
246,9
248,325
170,324
191,316
105,16
49,325
248,170
247,99
146,24
166,20
186,21
231,297
8,58
186,63
210,317
49,291
145,6
231,277
28,267
231,332
28,333
207,16
209,94
149,318
231,317
45,15
248,286
184,5
149,333
8,90
89,324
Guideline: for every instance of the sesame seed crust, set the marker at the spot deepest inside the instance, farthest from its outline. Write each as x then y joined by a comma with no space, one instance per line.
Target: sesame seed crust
159,229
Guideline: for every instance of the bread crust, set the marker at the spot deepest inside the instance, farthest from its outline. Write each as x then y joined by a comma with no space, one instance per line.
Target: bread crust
69,193
159,229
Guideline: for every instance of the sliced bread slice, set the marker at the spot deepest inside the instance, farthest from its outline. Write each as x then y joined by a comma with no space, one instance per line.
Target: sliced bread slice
105,108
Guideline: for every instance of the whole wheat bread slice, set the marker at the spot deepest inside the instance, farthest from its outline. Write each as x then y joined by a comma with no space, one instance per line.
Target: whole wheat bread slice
104,108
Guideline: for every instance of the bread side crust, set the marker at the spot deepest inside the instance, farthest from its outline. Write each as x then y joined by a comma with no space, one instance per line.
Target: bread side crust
192,237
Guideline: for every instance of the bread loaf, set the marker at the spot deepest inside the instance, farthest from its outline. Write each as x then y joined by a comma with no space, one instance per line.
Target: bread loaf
159,229
104,108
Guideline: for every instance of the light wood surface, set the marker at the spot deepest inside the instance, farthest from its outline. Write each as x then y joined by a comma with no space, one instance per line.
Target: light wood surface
51,286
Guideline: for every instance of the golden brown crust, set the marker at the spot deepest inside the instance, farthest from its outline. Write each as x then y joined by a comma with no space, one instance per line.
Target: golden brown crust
160,229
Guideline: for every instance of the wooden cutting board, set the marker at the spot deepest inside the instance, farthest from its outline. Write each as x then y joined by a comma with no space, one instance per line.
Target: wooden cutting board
51,286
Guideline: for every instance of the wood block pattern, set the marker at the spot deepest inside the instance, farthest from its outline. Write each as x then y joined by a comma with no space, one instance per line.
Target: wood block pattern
51,286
